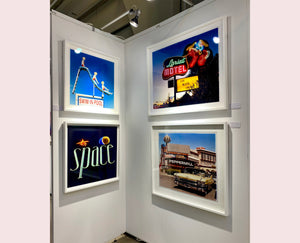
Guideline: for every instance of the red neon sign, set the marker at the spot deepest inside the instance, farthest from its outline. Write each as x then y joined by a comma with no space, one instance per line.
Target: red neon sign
174,66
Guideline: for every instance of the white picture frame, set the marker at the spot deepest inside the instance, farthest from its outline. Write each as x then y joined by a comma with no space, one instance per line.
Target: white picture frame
181,187
86,72
160,99
90,159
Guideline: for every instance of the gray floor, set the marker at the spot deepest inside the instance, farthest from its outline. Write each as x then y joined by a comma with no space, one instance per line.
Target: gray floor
126,239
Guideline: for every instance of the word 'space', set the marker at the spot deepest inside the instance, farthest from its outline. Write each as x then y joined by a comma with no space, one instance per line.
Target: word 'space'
86,157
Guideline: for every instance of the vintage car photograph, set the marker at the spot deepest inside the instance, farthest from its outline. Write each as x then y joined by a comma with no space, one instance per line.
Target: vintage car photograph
188,163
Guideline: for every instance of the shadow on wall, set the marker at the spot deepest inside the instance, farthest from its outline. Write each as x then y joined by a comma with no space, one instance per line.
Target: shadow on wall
206,217
76,196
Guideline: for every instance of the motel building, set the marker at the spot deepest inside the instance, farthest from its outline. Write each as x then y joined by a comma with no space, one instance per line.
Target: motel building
179,157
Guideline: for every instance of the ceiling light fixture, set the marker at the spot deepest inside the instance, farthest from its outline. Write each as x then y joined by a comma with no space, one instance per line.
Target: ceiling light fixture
133,22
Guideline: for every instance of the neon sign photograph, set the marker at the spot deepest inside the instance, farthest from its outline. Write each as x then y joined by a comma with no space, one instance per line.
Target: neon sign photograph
190,164
91,155
187,72
90,80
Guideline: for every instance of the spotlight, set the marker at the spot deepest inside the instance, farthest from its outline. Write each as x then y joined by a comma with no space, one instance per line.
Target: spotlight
134,22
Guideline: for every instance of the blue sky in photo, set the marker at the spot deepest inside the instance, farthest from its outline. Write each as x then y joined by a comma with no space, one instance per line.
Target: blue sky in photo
105,72
194,140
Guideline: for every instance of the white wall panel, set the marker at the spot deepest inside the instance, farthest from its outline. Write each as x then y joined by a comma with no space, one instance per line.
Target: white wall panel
96,214
159,220
99,214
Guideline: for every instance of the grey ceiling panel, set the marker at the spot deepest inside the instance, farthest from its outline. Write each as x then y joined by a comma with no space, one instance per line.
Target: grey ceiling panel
101,12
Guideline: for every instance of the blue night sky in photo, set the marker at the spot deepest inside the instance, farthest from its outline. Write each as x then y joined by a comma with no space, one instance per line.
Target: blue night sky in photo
194,140
105,72
160,86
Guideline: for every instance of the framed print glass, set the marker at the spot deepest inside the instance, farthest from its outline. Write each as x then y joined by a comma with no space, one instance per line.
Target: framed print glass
187,72
90,80
189,164
91,155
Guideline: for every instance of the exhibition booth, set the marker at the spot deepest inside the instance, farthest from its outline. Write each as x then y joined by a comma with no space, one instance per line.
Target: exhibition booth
150,135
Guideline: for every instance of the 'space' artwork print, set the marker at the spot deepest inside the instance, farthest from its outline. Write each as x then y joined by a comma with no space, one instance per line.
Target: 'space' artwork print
91,154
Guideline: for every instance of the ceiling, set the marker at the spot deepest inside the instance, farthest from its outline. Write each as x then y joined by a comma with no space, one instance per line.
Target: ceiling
99,13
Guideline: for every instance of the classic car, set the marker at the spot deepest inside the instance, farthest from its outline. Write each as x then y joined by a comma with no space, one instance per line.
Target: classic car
198,182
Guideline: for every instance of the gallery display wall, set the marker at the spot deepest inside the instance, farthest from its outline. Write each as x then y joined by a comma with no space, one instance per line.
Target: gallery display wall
156,219
100,213
95,212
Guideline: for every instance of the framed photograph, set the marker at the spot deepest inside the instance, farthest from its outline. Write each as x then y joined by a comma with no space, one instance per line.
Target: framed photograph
90,80
189,164
187,72
90,155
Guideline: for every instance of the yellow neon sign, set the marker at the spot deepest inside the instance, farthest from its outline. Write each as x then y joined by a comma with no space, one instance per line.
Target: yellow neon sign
189,83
